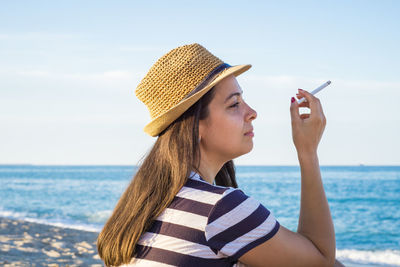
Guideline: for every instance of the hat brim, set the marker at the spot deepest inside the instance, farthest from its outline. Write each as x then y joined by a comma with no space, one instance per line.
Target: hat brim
160,123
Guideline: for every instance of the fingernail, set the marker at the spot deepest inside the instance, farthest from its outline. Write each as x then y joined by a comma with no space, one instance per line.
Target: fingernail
301,89
292,100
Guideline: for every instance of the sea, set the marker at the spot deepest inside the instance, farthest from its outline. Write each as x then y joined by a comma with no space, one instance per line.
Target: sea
364,201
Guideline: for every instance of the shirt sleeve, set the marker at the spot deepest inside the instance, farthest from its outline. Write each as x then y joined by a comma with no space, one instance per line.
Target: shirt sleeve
237,223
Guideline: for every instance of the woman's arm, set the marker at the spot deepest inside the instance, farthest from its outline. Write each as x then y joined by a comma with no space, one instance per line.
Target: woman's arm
315,222
314,242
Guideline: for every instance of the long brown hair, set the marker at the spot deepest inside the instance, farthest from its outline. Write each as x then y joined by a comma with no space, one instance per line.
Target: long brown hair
161,175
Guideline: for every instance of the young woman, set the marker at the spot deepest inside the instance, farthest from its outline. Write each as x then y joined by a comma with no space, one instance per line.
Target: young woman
183,207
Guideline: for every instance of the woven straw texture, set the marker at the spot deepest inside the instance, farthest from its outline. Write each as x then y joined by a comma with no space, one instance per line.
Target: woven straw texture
174,76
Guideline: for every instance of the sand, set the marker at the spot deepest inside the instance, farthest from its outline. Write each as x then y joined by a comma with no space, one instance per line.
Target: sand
31,244
24,243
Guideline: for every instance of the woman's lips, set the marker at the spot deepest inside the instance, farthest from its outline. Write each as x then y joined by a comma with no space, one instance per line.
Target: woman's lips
249,134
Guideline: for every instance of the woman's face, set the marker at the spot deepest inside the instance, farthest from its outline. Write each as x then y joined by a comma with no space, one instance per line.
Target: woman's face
223,132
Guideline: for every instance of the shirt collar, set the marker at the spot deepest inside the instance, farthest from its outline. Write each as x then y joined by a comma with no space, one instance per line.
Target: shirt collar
195,176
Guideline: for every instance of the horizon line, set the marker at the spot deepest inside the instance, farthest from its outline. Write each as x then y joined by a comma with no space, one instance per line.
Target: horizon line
243,165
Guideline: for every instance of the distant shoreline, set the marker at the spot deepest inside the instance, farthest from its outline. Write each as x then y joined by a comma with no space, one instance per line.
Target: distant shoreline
238,165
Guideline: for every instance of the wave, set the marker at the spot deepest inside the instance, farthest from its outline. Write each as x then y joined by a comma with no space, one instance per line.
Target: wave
53,222
76,226
98,217
369,257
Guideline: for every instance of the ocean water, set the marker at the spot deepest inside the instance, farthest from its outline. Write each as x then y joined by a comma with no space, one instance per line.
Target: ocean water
364,201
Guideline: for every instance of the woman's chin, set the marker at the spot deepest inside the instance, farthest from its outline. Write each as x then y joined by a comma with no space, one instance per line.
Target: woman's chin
247,150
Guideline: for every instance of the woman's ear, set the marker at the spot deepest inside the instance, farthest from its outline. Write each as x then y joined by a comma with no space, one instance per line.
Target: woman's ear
202,128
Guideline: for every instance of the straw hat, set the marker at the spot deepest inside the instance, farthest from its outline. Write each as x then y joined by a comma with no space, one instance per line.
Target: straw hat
177,80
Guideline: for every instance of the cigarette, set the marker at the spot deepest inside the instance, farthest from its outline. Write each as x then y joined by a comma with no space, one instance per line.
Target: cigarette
315,91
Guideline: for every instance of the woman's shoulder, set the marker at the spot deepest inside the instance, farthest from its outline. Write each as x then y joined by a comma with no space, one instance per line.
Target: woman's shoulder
237,223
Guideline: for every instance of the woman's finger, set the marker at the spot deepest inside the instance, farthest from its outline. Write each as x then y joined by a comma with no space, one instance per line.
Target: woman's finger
294,111
314,103
304,116
304,104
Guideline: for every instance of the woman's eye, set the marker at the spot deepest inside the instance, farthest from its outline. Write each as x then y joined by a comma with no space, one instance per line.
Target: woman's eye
234,105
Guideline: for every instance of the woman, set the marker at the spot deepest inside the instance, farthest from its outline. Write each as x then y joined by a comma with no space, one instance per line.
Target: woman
183,207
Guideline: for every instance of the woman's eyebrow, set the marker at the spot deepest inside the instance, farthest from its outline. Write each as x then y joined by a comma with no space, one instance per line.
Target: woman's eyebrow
233,94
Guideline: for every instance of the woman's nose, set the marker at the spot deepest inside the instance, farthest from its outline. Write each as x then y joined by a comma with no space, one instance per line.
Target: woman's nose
252,114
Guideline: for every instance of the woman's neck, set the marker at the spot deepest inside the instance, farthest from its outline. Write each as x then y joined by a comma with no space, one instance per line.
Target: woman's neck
208,169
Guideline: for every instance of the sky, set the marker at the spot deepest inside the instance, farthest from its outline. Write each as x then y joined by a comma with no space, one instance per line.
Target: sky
68,71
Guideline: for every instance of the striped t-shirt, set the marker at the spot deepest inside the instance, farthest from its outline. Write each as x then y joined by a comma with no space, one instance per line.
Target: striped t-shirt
205,225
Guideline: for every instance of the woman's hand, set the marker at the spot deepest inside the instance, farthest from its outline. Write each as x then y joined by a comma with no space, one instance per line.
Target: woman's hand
314,242
307,129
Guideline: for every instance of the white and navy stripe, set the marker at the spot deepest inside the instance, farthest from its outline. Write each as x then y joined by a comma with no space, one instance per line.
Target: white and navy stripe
205,225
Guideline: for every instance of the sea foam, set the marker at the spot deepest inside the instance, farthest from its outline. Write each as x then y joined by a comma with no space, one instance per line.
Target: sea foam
376,257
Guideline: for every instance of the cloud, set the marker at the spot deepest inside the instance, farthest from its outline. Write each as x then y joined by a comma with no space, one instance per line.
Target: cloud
116,77
371,86
110,75
34,73
142,48
36,36
99,77
290,82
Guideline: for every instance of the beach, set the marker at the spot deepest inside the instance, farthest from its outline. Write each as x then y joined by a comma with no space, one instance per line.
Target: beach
25,243
75,198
